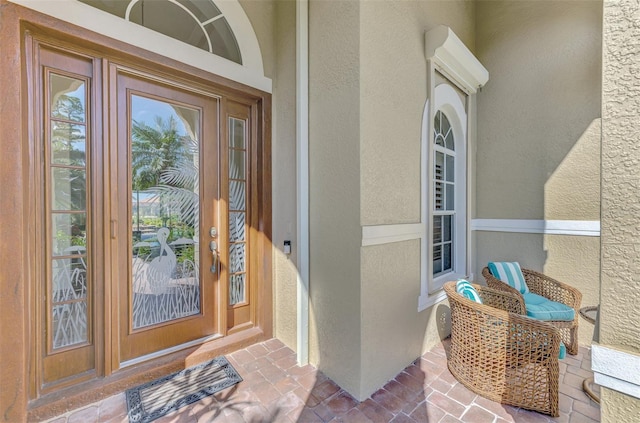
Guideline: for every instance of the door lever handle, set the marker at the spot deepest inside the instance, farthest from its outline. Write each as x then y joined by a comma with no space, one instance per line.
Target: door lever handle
213,246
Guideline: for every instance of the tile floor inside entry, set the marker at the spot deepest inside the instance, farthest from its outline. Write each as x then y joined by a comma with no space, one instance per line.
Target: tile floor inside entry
275,389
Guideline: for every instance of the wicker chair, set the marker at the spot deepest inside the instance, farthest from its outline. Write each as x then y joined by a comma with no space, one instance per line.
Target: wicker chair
502,355
553,290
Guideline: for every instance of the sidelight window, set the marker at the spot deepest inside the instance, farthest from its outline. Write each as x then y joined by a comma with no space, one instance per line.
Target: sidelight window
66,186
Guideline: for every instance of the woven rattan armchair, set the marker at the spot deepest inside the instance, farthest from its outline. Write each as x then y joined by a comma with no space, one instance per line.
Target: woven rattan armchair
553,290
502,355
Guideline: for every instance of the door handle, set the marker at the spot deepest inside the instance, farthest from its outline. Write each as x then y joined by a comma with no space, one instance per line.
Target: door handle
213,246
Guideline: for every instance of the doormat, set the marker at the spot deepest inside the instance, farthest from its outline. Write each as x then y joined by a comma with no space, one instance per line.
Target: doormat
154,399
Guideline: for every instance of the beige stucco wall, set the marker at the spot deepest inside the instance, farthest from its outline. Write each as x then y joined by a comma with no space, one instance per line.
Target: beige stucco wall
543,95
367,95
275,25
538,148
393,95
394,89
394,334
334,150
619,317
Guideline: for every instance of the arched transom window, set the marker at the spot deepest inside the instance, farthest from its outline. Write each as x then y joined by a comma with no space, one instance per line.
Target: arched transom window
199,23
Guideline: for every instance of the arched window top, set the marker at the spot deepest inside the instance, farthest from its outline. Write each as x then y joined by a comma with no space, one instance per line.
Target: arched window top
442,131
199,23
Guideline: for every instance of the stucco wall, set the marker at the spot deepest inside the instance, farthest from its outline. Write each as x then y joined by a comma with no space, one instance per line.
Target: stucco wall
261,14
334,150
394,334
275,25
544,93
538,149
619,317
394,89
393,95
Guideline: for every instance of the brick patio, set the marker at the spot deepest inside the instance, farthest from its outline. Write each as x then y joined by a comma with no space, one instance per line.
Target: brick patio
275,389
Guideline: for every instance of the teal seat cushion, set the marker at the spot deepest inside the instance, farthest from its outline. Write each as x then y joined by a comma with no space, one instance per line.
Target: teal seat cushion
509,273
540,308
467,290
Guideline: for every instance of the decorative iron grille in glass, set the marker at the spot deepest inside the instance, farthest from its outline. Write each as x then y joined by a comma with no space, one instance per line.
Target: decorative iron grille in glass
237,211
69,291
444,194
196,22
165,209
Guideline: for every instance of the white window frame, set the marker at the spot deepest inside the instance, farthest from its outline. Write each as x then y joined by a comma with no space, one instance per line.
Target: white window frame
448,101
448,55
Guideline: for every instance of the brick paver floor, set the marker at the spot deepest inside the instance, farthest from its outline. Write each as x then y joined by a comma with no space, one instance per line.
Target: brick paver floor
275,389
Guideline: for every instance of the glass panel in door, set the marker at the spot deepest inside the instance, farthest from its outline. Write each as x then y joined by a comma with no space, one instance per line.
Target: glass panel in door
165,145
167,198
237,141
237,212
69,320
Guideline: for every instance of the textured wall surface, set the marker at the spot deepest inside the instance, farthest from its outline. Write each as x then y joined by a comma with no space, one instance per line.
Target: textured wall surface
334,150
543,94
572,190
393,332
538,146
393,95
620,296
393,81
284,175
574,260
368,90
275,26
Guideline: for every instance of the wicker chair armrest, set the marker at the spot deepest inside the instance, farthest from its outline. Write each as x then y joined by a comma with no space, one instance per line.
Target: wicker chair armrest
503,300
532,340
552,289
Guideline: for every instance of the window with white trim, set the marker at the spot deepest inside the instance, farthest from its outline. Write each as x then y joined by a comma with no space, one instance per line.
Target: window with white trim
446,187
454,75
197,22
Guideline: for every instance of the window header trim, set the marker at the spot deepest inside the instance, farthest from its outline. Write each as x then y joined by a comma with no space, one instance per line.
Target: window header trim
453,59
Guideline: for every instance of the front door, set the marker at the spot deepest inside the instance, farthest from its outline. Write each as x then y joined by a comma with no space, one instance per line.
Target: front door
167,200
151,208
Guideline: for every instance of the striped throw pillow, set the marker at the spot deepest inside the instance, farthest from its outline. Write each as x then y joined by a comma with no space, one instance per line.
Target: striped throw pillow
467,290
510,273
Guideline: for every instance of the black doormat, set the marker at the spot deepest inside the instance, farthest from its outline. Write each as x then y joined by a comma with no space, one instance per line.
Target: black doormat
154,399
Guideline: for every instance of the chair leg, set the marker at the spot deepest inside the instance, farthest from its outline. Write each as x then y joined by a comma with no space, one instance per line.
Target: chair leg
572,346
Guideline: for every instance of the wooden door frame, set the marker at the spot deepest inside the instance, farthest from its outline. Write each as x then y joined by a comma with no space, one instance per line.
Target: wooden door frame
19,398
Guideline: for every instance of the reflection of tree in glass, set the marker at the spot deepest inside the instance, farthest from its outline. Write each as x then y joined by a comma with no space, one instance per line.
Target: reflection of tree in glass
67,138
164,162
68,160
68,108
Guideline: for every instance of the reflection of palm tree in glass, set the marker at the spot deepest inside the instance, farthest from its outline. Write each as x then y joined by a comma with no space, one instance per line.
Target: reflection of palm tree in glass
163,163
154,149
